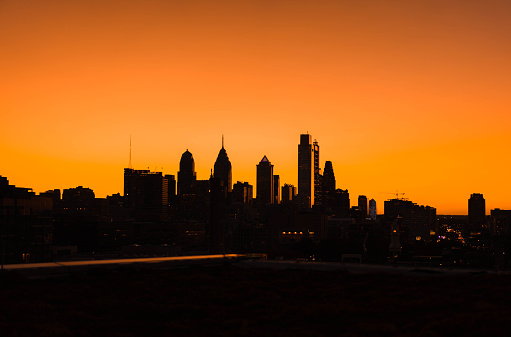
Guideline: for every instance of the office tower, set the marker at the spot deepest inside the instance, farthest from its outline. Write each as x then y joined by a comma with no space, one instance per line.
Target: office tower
317,174
242,192
276,189
222,168
288,193
328,186
372,209
476,212
169,189
362,205
265,183
306,170
186,175
143,194
342,203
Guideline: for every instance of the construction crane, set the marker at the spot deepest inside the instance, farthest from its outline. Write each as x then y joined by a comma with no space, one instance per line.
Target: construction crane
397,194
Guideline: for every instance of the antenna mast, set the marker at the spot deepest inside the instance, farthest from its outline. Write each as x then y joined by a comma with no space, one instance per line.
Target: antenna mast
129,165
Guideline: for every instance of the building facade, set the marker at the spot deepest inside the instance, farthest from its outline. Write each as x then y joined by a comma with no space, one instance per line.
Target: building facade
276,189
372,209
362,205
265,183
288,193
186,175
317,175
476,212
223,169
306,170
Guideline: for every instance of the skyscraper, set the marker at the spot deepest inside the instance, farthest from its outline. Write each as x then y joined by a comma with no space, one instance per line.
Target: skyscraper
342,203
186,175
372,209
265,182
328,186
222,168
476,212
306,170
317,174
169,189
276,189
362,205
143,194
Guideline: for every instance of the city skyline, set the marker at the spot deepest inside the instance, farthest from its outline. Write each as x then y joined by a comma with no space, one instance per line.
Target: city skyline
187,176
409,97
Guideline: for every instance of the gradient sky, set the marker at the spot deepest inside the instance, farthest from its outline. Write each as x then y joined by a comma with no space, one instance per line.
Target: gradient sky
403,95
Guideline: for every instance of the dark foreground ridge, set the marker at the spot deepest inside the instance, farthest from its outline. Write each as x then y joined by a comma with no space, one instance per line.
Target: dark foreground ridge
227,300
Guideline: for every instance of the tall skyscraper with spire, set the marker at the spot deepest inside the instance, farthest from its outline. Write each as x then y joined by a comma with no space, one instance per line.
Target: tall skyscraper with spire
265,183
306,170
223,169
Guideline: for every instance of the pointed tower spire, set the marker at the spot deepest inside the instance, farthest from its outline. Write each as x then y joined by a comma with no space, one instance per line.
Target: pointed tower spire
222,141
129,164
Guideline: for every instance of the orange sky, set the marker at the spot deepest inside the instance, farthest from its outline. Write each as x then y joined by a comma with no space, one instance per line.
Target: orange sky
401,95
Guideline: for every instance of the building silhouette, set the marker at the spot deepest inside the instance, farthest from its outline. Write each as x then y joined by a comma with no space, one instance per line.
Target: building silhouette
186,175
288,193
169,189
372,209
306,170
26,226
317,175
276,189
476,212
415,222
500,221
362,205
223,169
79,200
265,183
342,203
328,186
143,194
242,192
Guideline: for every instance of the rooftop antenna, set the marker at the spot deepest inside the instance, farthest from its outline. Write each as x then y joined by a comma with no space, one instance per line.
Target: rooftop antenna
129,164
222,141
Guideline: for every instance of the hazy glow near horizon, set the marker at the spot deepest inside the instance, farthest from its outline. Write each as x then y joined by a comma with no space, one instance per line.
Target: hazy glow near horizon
402,95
